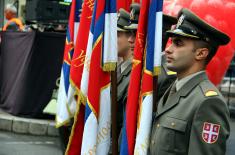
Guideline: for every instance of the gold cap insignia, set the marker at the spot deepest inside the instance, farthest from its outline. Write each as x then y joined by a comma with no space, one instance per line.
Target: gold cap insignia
132,14
180,21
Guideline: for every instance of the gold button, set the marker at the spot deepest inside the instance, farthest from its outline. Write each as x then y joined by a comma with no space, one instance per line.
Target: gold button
172,124
158,125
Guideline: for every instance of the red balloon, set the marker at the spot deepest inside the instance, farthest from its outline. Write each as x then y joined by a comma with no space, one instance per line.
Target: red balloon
218,13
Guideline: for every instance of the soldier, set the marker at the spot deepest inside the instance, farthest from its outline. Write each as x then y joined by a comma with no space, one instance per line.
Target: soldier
166,77
124,67
192,117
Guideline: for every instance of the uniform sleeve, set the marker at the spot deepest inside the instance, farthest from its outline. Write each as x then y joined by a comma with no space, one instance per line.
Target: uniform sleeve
210,128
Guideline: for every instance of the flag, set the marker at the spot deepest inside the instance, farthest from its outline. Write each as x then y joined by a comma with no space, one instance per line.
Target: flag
63,113
96,135
77,64
72,93
130,118
125,4
152,65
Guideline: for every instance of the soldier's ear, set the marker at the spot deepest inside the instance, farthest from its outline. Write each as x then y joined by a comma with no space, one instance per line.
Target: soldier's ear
201,54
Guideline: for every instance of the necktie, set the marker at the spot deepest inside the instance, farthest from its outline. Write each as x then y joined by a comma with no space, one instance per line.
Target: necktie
171,92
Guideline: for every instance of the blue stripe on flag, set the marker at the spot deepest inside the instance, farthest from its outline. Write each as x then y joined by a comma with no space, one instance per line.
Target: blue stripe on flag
66,71
99,28
154,8
93,19
110,6
124,144
77,10
68,37
87,112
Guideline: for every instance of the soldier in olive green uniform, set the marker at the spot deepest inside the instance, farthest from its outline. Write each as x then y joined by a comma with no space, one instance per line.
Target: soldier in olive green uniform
192,117
166,77
124,67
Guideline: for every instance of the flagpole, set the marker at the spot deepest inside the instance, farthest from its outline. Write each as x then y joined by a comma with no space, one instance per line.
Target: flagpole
155,88
114,112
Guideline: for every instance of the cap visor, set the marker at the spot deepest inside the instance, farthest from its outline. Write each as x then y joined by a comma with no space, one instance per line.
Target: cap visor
120,29
178,32
131,27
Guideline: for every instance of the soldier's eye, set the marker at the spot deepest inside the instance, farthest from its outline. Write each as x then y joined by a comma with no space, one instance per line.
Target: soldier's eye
177,42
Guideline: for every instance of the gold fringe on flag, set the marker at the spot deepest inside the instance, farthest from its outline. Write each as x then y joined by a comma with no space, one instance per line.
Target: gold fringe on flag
110,66
157,71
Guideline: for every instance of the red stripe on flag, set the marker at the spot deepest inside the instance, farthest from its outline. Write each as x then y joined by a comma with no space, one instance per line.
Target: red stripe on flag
97,78
136,75
81,44
75,140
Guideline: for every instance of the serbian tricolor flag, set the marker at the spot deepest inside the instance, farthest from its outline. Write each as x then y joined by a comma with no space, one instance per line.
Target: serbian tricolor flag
63,113
130,118
152,67
77,64
96,135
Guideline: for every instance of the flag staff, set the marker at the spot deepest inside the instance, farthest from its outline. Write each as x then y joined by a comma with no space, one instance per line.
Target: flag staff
155,92
114,111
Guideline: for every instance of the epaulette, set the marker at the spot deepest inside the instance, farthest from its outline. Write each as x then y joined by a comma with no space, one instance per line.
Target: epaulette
171,73
209,90
211,93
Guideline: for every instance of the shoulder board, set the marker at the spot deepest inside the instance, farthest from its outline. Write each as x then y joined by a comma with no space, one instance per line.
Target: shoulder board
211,93
171,73
208,89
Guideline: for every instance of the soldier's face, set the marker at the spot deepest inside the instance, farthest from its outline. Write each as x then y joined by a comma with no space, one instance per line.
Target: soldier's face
180,55
123,44
131,40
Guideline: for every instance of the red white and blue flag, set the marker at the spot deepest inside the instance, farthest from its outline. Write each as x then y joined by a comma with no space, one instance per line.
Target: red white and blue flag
103,58
130,118
76,70
63,113
152,67
146,64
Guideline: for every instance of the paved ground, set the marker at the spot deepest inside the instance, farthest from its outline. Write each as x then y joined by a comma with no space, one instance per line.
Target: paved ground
19,144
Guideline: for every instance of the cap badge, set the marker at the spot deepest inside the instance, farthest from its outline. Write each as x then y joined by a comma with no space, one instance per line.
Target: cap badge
118,16
180,21
132,13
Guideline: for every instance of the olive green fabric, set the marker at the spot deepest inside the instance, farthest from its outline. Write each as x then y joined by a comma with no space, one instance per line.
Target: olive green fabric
122,90
123,19
178,124
134,17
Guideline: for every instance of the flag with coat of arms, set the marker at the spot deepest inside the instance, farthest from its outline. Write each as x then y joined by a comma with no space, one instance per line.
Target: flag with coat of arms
102,49
63,113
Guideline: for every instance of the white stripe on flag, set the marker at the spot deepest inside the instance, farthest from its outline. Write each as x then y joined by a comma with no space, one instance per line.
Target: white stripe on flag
143,132
104,129
72,100
86,67
158,40
89,135
110,38
76,27
62,114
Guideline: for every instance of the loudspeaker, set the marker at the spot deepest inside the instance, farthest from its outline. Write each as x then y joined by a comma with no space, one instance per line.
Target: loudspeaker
46,10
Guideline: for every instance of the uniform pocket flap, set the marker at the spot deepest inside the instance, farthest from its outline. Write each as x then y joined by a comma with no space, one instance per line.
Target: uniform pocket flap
175,124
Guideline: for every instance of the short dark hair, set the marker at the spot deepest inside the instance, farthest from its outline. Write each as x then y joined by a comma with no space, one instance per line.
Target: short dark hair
212,49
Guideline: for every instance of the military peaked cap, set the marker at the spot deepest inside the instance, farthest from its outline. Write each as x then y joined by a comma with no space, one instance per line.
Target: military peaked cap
134,16
123,19
191,26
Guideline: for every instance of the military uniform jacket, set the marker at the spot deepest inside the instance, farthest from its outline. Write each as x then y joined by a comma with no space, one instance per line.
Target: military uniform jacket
193,121
122,90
